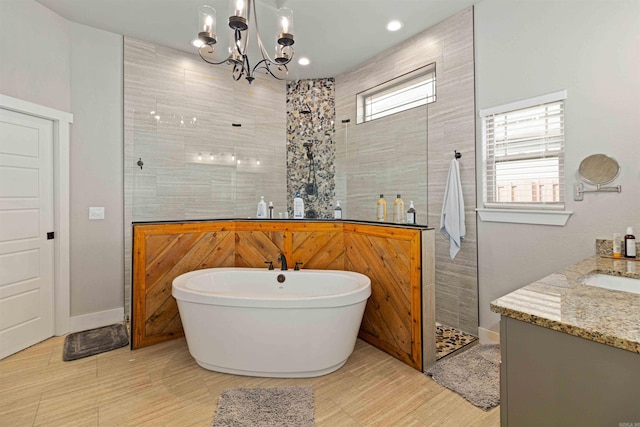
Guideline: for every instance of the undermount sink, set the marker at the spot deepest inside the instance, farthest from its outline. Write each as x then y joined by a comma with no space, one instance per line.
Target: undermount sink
617,283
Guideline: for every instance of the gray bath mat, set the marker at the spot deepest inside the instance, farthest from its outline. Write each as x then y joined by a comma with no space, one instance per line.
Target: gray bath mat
94,341
473,374
265,407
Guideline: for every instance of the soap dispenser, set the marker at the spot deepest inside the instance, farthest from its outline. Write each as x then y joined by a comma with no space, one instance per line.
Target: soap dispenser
262,208
298,207
411,214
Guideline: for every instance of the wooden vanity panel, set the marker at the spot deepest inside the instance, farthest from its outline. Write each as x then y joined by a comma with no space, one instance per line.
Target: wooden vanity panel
392,319
160,255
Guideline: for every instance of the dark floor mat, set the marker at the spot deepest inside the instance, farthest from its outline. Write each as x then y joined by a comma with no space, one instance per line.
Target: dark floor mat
94,341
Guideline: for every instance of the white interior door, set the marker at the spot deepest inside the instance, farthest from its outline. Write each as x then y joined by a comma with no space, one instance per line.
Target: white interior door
26,216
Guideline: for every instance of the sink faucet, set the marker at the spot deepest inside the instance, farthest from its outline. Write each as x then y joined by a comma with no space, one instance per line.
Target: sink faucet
283,262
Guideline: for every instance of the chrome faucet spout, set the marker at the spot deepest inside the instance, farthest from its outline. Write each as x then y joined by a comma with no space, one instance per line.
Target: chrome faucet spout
283,262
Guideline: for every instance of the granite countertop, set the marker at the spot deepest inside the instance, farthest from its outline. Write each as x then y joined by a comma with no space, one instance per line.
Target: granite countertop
561,303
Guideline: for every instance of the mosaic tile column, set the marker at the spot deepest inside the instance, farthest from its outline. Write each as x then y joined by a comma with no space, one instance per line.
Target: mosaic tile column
310,145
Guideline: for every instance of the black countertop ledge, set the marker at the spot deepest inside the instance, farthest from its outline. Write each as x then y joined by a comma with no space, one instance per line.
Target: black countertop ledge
289,220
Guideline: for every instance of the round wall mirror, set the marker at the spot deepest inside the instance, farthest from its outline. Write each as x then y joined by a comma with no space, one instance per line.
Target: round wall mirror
598,169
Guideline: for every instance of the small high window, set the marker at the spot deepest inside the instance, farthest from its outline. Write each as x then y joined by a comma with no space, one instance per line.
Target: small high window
524,153
408,91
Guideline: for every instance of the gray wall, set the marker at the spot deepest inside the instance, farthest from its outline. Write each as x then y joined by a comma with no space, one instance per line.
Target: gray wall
591,49
97,281
53,62
41,75
410,152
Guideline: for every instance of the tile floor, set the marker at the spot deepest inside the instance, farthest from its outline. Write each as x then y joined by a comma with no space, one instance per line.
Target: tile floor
163,386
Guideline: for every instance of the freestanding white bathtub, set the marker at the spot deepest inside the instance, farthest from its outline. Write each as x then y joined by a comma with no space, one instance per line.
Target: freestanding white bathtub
271,323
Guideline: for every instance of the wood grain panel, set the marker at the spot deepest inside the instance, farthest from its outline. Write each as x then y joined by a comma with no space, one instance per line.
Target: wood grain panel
393,318
160,255
253,248
322,250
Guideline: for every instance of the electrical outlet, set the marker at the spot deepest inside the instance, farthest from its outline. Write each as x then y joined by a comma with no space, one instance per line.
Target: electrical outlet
96,213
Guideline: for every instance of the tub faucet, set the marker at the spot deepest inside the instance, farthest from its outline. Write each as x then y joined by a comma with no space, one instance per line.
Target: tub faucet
283,262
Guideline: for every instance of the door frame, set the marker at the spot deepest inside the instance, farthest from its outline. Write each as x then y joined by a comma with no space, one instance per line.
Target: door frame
61,138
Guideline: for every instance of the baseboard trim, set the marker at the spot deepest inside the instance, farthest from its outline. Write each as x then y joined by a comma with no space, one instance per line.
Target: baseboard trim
96,320
487,336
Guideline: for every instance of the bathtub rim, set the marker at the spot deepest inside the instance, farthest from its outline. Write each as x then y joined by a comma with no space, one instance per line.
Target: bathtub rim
361,293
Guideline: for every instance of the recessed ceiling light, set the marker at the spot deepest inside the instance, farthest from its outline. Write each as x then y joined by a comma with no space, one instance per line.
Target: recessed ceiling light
304,61
394,25
197,42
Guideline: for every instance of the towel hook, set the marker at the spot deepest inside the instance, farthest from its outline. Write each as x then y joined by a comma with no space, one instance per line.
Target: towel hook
456,154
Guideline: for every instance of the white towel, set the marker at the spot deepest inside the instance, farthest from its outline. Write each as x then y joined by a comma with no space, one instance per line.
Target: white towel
452,219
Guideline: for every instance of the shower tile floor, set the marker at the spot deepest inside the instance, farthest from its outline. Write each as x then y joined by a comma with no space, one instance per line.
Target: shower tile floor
450,340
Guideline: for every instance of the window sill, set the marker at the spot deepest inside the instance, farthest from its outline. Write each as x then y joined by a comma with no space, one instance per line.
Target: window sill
523,216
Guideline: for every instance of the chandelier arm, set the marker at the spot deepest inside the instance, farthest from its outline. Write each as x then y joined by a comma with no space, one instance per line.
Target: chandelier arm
237,72
213,62
242,50
247,67
263,51
265,65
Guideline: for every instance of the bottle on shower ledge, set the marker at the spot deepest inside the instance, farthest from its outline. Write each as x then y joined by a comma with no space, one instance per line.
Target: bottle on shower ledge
298,207
411,214
398,210
337,211
270,210
381,210
262,208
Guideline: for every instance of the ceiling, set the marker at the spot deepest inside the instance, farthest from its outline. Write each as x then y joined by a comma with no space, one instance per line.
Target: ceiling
336,35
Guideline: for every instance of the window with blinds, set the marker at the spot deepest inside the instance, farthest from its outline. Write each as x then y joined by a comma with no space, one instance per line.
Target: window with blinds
524,154
411,90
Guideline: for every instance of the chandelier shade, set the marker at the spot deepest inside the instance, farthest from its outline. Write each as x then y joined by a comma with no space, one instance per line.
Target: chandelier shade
241,14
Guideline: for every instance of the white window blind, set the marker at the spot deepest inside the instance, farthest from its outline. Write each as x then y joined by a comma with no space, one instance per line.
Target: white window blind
411,90
524,156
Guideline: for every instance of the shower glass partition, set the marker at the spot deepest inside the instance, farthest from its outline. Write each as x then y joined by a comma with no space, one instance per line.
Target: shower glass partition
198,145
385,156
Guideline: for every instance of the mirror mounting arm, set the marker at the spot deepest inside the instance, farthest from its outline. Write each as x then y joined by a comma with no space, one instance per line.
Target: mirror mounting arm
578,190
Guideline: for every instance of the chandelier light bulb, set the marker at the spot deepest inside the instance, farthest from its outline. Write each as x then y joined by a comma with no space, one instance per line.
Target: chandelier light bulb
208,24
239,7
200,156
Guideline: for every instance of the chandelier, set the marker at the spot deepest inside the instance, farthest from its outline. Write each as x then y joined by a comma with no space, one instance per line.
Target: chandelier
242,11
